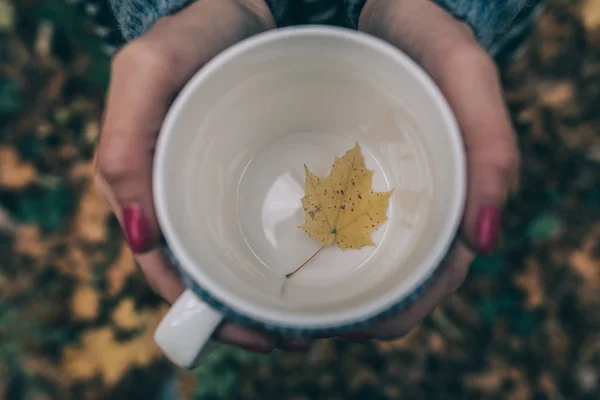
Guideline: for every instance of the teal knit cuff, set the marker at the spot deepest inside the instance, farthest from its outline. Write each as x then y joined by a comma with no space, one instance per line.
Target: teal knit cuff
490,19
137,16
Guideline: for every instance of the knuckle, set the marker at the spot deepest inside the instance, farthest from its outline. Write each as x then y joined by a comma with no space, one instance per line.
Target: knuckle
456,278
507,163
398,325
404,331
112,166
145,55
259,10
397,333
481,61
498,154
454,52
161,23
103,189
449,56
473,58
152,282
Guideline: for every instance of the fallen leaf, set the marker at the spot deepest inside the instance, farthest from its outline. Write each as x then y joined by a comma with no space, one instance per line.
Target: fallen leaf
101,354
7,224
585,266
85,303
489,380
82,170
92,216
342,207
92,131
557,95
7,16
530,281
41,367
30,241
362,377
590,17
125,316
75,263
14,173
43,43
119,271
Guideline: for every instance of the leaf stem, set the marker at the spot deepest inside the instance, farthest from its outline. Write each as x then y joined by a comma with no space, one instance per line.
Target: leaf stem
288,276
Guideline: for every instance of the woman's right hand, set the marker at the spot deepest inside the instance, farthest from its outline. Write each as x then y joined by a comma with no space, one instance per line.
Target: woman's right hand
146,76
448,50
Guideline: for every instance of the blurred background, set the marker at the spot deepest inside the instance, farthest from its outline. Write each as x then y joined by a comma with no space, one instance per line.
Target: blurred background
76,318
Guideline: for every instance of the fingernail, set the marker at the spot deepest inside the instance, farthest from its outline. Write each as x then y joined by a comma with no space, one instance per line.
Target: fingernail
136,228
487,228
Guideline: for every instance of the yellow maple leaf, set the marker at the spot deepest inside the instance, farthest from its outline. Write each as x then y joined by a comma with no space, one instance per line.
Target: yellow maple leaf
343,208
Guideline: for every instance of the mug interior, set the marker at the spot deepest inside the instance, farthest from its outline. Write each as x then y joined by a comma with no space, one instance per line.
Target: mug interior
229,175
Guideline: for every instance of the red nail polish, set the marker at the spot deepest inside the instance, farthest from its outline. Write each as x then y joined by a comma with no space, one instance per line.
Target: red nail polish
487,228
136,228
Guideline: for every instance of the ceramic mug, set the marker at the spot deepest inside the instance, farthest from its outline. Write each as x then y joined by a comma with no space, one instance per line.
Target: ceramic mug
229,178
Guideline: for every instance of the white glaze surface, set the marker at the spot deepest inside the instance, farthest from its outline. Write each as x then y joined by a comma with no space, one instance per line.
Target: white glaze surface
186,329
229,174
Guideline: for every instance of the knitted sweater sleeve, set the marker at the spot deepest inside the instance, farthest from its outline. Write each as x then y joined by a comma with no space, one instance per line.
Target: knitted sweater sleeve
490,19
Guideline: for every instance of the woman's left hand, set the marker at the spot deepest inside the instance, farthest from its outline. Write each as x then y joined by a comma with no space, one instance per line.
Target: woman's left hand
449,52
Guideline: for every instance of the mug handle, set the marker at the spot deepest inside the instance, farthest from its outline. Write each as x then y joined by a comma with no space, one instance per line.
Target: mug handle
184,334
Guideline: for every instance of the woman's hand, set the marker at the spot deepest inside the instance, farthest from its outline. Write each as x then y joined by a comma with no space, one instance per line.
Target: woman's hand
146,76
149,71
448,51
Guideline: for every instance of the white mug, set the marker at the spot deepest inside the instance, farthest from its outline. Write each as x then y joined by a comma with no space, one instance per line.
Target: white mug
229,178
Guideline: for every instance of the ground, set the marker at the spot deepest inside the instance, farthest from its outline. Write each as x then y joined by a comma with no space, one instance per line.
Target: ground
76,318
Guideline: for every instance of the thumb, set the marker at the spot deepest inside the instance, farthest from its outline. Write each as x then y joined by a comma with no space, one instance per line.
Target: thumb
146,75
469,80
467,76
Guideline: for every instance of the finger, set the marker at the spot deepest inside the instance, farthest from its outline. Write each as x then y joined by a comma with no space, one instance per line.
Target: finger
164,280
467,76
450,276
471,85
145,77
160,275
245,337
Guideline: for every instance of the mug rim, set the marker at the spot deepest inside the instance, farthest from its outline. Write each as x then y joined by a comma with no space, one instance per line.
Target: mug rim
208,290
